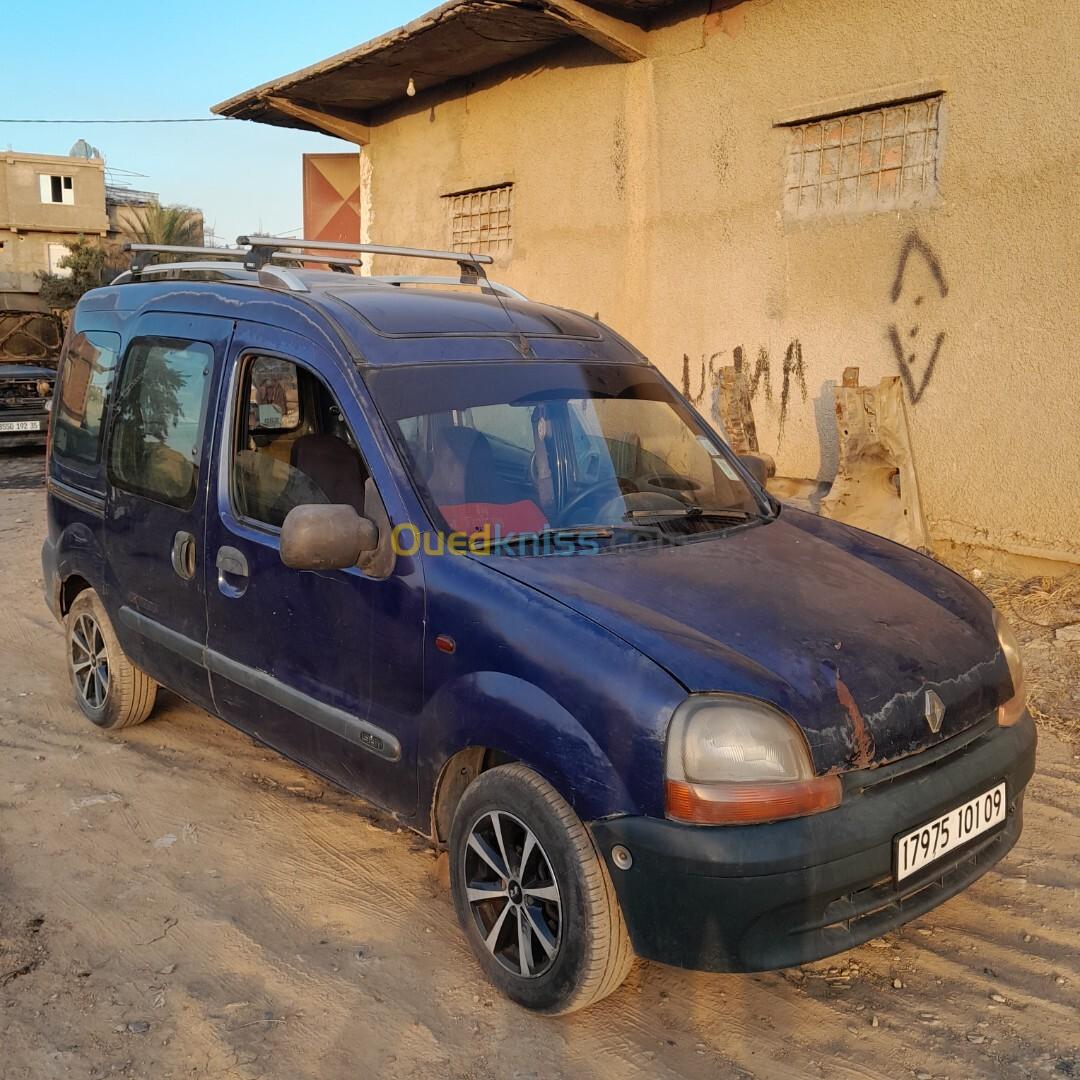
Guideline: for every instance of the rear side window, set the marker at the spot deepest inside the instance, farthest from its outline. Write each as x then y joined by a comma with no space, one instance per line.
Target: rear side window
157,431
85,384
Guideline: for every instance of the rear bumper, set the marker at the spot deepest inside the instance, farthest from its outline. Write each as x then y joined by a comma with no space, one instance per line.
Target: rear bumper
51,579
760,897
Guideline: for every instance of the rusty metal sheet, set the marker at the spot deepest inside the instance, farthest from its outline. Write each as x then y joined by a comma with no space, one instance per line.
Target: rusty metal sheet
736,412
876,487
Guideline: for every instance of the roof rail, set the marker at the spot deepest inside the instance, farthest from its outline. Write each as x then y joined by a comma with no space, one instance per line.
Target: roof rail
235,269
469,263
340,265
423,279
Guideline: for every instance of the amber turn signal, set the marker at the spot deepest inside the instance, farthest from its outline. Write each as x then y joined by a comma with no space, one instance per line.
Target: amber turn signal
746,803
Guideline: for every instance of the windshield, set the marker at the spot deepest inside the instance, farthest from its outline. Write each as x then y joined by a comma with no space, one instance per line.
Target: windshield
531,449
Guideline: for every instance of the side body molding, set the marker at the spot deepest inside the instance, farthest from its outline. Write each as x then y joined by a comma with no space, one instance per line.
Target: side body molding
359,732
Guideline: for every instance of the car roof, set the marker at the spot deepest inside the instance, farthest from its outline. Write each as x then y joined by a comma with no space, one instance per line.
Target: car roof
380,322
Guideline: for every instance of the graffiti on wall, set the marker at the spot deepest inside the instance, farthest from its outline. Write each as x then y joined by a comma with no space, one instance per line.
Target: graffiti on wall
918,289
759,376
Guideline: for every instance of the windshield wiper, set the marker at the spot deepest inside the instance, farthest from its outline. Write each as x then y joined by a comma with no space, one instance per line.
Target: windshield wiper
577,534
704,513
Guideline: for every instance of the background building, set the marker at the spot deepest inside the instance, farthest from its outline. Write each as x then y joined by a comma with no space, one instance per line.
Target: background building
45,203
332,197
784,185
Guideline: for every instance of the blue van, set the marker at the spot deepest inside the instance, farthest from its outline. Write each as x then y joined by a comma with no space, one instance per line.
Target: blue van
474,559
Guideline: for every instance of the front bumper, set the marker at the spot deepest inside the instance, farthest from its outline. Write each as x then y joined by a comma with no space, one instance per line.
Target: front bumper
11,439
760,897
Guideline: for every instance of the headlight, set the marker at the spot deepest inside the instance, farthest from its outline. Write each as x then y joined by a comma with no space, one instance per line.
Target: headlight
733,760
44,387
1010,711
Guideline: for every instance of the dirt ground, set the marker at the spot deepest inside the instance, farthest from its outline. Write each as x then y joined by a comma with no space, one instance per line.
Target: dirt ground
177,901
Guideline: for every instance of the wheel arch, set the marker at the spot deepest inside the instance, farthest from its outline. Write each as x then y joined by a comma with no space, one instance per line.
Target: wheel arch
70,587
457,773
491,718
74,562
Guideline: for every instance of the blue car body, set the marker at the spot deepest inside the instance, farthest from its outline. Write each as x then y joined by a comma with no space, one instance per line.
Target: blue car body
573,665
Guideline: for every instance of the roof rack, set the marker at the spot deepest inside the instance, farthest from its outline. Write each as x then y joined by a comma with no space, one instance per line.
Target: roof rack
259,246
256,253
142,254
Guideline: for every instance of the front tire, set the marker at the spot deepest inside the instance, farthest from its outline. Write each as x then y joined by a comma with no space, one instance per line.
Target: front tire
109,689
533,897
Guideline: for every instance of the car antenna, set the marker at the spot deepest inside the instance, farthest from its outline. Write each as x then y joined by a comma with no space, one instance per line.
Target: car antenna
471,273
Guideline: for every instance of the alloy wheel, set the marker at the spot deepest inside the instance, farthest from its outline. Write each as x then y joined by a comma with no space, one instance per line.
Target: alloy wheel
512,894
90,661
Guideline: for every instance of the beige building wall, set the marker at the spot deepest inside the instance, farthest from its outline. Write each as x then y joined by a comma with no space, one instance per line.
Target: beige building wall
28,225
652,193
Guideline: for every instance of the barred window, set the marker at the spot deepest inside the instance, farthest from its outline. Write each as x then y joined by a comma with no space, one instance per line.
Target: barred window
874,159
481,220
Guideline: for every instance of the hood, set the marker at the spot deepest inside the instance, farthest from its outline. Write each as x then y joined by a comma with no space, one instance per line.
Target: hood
843,630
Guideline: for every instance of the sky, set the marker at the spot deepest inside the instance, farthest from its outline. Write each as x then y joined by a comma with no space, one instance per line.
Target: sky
98,61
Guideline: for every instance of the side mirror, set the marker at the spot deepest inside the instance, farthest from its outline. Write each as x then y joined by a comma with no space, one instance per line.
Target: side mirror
322,537
759,466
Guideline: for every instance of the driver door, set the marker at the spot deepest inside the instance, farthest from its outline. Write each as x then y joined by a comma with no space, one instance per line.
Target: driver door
324,666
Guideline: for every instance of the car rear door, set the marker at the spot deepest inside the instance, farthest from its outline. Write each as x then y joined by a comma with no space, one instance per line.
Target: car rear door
160,432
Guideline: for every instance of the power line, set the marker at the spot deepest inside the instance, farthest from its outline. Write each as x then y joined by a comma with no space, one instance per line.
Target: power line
181,120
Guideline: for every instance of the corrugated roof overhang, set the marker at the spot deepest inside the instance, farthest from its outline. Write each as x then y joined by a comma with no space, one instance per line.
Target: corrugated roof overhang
458,39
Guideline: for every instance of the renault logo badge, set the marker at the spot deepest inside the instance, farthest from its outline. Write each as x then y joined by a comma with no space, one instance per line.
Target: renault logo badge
935,711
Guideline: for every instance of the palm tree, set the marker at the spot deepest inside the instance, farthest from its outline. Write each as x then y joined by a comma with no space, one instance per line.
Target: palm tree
154,224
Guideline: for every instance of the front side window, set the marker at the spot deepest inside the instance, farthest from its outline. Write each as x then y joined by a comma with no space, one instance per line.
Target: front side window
515,449
292,446
89,366
157,433
274,398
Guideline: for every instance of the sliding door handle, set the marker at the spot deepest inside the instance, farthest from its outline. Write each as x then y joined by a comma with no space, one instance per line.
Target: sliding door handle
183,555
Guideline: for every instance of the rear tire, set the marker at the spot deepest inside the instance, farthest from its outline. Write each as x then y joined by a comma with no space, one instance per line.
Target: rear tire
109,689
533,897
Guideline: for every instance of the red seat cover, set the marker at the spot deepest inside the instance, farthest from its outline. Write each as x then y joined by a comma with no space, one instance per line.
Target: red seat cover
505,518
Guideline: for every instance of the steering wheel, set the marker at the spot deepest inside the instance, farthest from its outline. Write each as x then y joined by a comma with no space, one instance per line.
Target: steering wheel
626,486
673,482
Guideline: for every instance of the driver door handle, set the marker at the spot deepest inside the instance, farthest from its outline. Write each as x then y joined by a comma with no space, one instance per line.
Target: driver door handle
232,567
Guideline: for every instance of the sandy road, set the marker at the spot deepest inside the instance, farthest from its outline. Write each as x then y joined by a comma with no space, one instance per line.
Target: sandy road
179,902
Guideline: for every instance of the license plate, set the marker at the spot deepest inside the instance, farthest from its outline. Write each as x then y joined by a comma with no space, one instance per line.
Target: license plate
934,840
20,425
